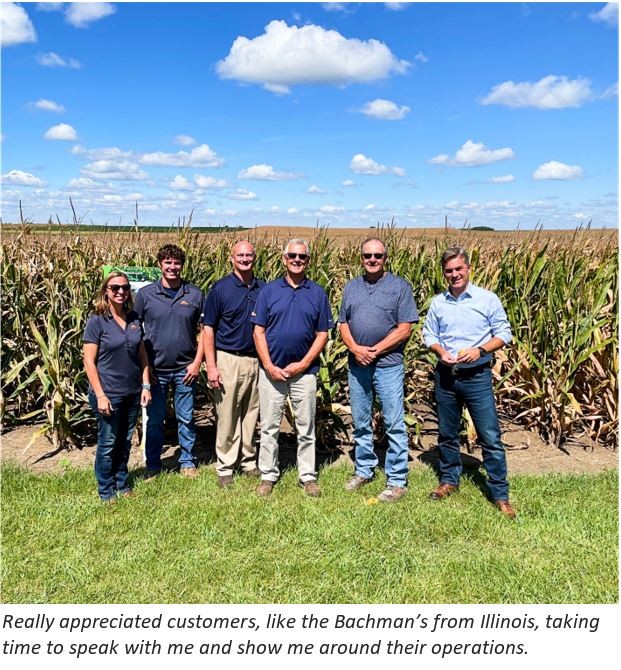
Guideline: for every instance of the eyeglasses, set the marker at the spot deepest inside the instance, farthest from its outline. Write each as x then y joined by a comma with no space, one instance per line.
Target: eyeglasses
115,288
376,256
291,256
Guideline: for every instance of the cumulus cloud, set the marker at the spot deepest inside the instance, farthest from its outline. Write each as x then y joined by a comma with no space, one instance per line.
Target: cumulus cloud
185,140
611,92
114,169
292,210
331,209
370,207
15,25
348,182
241,194
396,6
556,170
384,109
504,179
104,153
82,14
209,182
315,189
50,6
263,172
87,184
52,59
360,164
609,14
201,156
420,57
551,92
180,183
342,7
284,56
47,106
63,131
19,178
473,154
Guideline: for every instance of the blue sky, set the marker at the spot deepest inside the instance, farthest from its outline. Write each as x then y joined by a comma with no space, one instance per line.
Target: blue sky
350,114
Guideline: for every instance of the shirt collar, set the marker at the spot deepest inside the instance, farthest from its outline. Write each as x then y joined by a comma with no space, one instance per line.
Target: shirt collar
304,284
161,289
240,283
468,291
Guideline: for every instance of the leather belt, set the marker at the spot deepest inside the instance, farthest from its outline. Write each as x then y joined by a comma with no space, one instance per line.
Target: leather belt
250,354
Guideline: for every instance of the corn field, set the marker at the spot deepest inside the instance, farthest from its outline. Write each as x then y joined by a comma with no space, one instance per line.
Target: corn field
558,377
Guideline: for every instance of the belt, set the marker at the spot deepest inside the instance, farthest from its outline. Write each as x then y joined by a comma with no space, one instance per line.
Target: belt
251,354
456,371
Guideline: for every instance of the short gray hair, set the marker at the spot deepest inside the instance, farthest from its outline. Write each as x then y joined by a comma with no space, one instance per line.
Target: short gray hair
373,239
297,240
454,252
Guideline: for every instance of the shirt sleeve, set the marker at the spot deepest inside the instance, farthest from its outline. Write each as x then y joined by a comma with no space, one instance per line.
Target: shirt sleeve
407,311
325,321
260,312
498,321
211,309
139,305
93,330
344,304
431,328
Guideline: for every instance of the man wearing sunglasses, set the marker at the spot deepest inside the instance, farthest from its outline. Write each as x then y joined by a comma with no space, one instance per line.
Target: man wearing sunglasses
171,310
375,322
291,319
463,327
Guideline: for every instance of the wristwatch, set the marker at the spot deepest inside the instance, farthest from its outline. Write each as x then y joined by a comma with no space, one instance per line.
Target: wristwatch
482,352
146,387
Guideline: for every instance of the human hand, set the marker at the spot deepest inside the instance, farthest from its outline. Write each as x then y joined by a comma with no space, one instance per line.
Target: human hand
448,359
145,398
364,355
103,405
191,373
213,376
468,355
276,373
294,369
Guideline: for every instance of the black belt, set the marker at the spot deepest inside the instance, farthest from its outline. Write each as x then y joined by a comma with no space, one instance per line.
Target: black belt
251,354
456,371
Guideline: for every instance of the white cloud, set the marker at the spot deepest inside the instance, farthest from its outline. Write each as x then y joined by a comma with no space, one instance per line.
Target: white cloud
241,194
126,197
63,131
81,14
113,169
209,182
47,106
396,6
370,207
22,179
104,153
331,209
263,172
50,6
348,182
87,184
473,154
360,164
504,179
337,7
608,14
292,210
556,170
287,55
420,57
185,140
384,109
551,92
180,183
15,25
314,189
611,92
52,59
201,156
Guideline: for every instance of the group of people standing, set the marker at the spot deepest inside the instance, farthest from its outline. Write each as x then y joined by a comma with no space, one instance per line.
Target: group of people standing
261,345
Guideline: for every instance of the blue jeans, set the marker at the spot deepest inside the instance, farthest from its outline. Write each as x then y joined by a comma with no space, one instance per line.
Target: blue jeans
388,386
184,410
114,434
475,391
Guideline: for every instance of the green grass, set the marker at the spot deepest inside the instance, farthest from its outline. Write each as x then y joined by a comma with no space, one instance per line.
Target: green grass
183,541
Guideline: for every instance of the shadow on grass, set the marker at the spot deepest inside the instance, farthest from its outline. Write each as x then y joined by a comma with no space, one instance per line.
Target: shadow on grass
471,469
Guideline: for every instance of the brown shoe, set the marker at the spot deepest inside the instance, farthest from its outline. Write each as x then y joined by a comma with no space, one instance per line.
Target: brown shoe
189,473
255,472
392,494
311,489
505,507
443,491
264,489
356,482
128,494
225,481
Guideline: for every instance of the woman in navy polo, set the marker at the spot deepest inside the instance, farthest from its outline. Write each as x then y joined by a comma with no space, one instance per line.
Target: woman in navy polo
117,368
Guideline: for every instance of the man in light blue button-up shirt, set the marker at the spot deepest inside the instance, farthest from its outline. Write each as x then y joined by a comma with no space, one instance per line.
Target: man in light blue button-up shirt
464,326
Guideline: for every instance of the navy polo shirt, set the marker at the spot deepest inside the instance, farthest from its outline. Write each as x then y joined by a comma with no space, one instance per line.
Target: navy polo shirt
170,324
117,358
292,317
228,307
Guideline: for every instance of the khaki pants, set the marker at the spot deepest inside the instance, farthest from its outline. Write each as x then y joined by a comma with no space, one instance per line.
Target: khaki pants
302,391
237,408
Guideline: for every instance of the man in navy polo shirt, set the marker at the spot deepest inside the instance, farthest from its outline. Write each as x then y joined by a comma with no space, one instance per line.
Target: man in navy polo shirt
232,364
375,322
292,317
171,310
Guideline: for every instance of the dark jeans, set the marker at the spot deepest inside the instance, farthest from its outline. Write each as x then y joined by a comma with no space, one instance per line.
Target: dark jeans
114,434
473,388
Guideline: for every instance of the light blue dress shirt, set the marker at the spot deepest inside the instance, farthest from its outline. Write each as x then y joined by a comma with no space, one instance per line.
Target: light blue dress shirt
470,320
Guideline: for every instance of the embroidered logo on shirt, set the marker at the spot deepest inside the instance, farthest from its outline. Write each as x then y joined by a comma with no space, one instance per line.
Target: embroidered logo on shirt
184,302
134,326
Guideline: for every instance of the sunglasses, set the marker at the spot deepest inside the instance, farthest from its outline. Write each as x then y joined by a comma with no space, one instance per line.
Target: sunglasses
115,288
376,256
291,256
